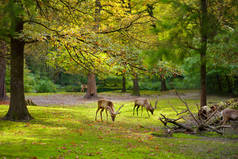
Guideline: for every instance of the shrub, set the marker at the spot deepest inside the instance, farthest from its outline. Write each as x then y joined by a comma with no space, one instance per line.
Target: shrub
45,85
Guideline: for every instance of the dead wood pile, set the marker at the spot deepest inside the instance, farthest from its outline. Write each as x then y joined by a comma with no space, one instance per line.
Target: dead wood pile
207,118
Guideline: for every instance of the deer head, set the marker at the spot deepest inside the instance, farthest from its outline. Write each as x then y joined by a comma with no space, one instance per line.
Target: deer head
114,114
153,108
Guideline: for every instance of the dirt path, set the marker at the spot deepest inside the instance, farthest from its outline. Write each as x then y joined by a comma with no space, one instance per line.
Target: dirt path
76,99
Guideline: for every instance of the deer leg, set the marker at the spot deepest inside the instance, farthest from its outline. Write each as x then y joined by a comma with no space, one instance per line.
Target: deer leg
106,114
134,109
224,120
101,114
97,113
137,109
148,113
141,111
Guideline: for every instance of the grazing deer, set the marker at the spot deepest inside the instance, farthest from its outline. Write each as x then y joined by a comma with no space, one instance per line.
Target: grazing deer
83,86
229,114
108,106
143,102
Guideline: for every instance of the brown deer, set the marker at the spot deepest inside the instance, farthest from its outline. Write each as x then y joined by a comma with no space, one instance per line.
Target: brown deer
143,102
83,86
229,114
108,106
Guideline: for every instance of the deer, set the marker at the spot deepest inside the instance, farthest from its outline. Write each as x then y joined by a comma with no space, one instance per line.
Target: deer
108,106
83,86
143,102
229,114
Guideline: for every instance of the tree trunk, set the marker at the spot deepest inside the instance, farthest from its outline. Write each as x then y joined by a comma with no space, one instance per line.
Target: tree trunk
3,50
235,82
204,28
92,87
219,82
229,85
136,88
163,85
123,84
17,110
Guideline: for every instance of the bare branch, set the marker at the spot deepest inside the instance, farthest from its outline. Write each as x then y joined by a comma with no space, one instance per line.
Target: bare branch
43,25
208,119
79,63
185,103
174,121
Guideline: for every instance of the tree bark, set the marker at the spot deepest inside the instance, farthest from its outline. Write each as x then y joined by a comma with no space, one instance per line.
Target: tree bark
123,84
203,50
229,85
235,82
92,87
163,85
136,88
17,110
219,82
3,50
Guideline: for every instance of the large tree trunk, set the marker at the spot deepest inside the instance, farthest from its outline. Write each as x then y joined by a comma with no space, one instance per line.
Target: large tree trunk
123,84
3,50
204,28
163,85
17,110
91,86
136,88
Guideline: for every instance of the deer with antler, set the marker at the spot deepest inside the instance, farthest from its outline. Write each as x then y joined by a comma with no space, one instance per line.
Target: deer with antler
143,103
107,106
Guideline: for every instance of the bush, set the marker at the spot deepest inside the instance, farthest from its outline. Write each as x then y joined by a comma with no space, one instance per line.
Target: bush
150,85
29,82
72,88
44,86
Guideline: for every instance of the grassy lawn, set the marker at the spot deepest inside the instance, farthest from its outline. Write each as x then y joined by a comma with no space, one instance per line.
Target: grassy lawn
72,132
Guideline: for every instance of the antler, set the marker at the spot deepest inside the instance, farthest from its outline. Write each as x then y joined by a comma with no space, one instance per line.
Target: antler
110,109
156,102
117,112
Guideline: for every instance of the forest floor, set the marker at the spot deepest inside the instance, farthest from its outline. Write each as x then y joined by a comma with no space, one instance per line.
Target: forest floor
66,129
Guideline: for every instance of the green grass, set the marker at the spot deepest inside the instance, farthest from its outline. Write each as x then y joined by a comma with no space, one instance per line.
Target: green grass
71,132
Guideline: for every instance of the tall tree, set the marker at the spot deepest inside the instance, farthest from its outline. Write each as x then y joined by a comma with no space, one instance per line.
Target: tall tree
91,85
123,90
17,109
16,16
204,37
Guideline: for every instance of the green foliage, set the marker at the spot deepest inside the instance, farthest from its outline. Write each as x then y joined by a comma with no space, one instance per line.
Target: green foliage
71,88
29,80
191,75
45,85
150,85
33,82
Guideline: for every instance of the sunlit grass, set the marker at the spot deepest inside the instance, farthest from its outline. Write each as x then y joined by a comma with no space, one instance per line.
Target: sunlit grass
72,132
